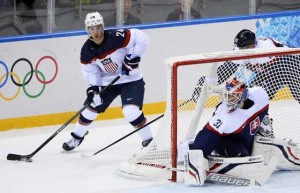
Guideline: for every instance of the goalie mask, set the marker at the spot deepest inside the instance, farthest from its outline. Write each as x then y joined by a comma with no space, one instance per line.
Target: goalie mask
234,94
244,39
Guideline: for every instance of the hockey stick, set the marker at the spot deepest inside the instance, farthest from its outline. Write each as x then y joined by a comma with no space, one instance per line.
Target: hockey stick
90,155
198,89
27,158
196,92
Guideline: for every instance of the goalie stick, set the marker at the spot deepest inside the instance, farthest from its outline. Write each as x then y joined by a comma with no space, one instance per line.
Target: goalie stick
210,176
224,178
28,158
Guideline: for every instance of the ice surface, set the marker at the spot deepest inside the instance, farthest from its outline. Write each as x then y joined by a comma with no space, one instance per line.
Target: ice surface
55,172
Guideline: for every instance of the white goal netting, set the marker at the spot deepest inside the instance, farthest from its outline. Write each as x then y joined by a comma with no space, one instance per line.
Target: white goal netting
191,101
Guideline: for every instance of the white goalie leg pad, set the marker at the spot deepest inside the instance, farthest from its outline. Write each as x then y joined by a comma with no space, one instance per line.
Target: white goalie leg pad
183,148
142,169
251,167
196,167
287,152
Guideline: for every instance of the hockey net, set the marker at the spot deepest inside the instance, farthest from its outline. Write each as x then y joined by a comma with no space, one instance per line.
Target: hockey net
194,83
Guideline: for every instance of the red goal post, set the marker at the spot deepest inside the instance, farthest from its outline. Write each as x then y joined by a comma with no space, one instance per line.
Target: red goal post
193,86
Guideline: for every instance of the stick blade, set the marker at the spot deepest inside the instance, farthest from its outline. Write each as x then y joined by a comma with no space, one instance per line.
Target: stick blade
16,157
86,155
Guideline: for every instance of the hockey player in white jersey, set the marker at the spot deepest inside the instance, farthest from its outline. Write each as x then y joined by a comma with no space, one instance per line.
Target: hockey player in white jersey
105,55
229,143
271,73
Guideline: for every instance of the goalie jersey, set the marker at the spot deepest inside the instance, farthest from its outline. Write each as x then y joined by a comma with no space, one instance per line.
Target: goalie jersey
232,134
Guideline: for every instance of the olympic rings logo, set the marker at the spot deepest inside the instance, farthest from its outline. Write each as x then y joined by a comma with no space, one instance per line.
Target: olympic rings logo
27,78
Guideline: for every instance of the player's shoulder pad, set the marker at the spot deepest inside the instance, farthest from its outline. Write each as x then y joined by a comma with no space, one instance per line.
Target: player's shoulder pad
264,42
260,92
261,38
117,37
86,56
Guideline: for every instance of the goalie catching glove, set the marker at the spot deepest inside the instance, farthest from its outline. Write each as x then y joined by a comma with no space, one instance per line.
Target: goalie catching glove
130,63
93,97
266,125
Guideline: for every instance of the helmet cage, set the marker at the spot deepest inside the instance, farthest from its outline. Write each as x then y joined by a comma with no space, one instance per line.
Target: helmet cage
232,98
235,93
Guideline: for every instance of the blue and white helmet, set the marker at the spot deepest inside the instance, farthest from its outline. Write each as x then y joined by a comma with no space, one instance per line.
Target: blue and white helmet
234,94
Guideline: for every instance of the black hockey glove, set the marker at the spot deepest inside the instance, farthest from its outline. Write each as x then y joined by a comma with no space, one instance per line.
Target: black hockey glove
130,63
91,92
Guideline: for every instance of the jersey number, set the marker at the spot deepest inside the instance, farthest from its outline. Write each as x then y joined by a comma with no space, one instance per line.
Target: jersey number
218,123
120,32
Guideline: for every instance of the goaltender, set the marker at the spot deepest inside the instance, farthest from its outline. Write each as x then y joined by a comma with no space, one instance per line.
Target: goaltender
238,140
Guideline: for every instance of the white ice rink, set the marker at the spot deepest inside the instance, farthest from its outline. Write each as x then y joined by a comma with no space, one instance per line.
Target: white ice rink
55,172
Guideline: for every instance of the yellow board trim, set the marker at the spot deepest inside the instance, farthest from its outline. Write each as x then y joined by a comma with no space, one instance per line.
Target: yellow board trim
110,113
61,118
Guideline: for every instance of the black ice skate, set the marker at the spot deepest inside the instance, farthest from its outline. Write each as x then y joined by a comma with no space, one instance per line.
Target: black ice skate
146,142
74,142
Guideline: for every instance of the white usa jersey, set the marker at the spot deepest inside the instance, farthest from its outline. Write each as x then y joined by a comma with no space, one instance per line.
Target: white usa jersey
100,64
245,122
